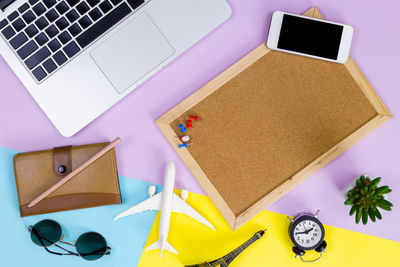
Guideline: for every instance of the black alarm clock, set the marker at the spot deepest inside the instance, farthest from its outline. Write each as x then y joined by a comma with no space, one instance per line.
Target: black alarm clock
307,233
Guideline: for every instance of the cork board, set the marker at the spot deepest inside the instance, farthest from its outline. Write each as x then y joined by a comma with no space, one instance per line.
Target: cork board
268,123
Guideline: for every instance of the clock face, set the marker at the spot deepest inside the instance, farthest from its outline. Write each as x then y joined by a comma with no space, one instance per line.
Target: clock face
307,232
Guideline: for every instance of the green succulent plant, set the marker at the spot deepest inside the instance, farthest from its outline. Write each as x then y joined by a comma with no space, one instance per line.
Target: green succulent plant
366,197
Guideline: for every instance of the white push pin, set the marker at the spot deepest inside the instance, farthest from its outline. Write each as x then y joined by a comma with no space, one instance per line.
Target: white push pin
184,194
185,138
151,190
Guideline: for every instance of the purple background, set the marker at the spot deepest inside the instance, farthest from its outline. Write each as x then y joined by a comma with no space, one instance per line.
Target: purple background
144,151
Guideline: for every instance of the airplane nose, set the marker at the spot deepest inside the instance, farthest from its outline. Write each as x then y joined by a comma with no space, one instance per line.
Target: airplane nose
170,171
170,166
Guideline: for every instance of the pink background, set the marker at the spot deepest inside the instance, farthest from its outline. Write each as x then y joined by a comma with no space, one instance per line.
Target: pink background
144,150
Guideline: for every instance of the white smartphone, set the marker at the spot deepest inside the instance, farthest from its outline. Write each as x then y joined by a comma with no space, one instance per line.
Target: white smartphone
309,37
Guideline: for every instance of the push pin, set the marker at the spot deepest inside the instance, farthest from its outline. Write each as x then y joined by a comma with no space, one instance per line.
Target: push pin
182,127
185,138
189,124
196,118
184,145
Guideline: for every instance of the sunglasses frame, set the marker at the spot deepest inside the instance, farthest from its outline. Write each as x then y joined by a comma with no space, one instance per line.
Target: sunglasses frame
61,240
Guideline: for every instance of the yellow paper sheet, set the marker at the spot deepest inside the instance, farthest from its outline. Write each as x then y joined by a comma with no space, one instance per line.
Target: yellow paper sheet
197,243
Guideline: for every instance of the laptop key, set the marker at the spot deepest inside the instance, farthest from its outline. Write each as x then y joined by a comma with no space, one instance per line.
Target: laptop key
64,37
74,29
13,16
51,31
92,3
49,65
27,49
85,22
72,2
72,15
60,58
31,30
82,8
62,7
103,25
23,8
8,32
116,2
29,17
18,40
41,23
3,23
41,39
52,15
39,9
37,57
54,45
105,6
62,24
19,24
95,14
32,2
39,73
71,49
135,3
49,3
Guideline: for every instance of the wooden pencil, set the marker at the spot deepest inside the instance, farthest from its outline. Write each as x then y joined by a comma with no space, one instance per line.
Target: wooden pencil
74,173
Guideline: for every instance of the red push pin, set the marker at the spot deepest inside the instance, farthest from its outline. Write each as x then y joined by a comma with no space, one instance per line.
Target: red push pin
196,118
189,124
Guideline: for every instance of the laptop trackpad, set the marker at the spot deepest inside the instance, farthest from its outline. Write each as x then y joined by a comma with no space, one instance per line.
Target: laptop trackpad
132,52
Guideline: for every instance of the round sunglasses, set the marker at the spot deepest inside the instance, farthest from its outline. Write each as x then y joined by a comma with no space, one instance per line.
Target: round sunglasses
90,246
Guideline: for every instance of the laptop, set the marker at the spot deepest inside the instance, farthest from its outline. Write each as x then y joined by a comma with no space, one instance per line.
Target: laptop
77,58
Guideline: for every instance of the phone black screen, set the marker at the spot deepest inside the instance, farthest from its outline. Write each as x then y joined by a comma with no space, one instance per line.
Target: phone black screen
310,37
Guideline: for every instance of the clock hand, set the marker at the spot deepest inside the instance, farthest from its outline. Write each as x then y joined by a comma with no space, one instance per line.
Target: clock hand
298,233
305,232
309,230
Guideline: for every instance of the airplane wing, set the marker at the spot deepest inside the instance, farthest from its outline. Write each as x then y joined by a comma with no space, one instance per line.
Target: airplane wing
153,203
181,206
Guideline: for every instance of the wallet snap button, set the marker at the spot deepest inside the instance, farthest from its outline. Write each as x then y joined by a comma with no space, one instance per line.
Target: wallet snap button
62,169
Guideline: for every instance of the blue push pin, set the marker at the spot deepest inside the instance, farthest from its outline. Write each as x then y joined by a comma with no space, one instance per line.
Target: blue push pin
182,127
184,145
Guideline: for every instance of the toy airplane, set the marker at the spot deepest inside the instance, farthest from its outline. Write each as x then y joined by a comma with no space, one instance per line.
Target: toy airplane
166,201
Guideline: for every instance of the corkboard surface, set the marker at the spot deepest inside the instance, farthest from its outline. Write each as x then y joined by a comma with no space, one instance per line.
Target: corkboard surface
270,121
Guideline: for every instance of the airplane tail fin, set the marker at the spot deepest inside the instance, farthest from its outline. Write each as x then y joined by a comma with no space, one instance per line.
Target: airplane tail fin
157,245
170,248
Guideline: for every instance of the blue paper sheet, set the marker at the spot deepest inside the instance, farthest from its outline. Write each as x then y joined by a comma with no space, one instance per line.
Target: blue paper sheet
126,237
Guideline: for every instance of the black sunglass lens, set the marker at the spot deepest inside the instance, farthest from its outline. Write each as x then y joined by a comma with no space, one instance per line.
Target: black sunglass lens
91,246
46,233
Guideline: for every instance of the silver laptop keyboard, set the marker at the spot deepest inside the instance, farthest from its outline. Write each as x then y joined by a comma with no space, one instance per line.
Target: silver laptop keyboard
47,34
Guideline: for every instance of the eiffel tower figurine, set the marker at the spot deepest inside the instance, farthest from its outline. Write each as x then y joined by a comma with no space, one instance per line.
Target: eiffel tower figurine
228,258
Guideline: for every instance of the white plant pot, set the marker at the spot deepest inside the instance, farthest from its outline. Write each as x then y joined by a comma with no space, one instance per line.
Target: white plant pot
353,184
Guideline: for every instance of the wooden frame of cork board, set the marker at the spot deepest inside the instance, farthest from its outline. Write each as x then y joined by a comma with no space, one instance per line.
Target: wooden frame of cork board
270,121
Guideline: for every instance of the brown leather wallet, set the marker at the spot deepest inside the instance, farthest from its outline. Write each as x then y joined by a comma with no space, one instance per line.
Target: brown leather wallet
96,185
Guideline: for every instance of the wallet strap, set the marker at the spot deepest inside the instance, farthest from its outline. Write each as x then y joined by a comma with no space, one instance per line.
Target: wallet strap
62,160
